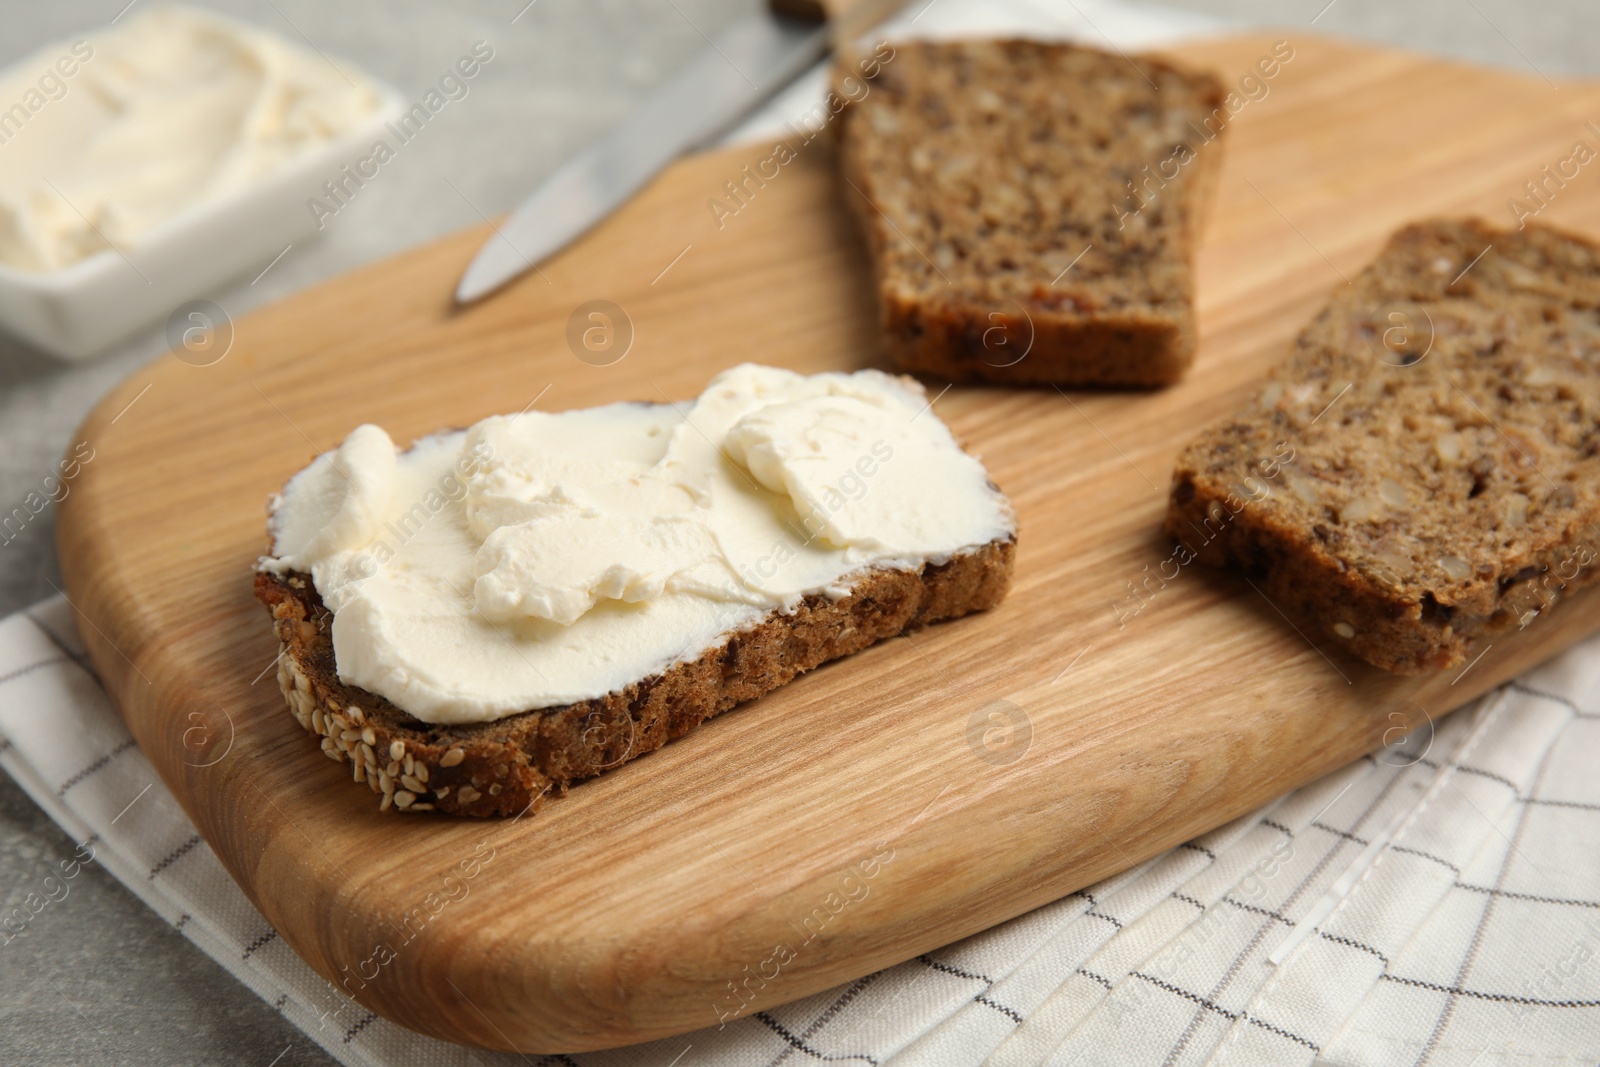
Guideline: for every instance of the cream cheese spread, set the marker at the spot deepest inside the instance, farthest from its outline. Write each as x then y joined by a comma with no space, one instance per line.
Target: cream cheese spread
540,559
105,138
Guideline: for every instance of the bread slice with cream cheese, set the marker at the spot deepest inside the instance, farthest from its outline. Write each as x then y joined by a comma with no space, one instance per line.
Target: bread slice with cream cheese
496,613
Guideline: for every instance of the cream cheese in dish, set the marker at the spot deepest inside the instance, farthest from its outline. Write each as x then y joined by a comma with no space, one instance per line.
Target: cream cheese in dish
106,138
540,559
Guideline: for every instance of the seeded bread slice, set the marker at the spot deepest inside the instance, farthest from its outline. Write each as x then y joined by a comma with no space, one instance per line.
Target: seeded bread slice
1425,468
504,767
1031,208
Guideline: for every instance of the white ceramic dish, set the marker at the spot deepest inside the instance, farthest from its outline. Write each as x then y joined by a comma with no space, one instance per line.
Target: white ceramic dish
81,310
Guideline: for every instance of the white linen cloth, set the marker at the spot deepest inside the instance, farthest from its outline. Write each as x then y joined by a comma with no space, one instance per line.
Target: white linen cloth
1434,904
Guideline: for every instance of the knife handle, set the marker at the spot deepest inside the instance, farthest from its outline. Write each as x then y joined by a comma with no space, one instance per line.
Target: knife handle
849,18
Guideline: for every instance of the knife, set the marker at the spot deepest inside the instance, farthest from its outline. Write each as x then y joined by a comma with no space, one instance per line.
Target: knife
744,66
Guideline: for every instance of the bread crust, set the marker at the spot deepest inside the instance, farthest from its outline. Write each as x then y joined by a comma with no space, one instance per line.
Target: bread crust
972,262
1424,470
508,766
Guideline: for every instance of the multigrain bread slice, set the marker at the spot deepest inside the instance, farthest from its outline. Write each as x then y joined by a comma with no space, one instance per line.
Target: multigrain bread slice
507,766
1031,208
1424,470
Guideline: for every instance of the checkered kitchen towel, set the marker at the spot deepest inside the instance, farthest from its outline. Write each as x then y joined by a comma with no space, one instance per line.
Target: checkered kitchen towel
1437,904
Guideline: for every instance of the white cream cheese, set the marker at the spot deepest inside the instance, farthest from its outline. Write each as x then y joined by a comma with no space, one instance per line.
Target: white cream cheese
103,139
541,559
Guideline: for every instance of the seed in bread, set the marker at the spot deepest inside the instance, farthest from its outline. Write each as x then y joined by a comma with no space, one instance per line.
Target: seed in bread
1032,208
1424,469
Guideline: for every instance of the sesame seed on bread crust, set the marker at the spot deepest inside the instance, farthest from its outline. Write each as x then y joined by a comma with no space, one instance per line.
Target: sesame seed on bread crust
1424,469
1031,208
508,766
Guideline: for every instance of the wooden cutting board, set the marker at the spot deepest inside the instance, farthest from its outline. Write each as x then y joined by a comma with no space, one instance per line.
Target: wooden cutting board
884,805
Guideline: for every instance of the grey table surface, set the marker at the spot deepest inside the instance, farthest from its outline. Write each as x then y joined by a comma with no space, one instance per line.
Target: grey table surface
102,979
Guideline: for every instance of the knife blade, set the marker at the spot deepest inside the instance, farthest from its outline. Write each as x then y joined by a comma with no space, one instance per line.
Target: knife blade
742,67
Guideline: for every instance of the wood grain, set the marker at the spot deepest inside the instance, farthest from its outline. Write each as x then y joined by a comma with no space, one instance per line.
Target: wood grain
624,910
